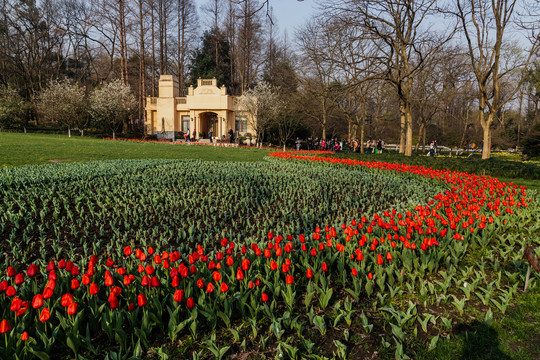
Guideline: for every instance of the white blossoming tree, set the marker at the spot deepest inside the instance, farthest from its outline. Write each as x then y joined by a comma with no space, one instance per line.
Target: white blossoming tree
111,105
262,105
64,102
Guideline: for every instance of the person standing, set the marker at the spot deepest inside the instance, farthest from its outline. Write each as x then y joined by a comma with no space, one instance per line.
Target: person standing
298,143
431,148
210,134
186,135
231,136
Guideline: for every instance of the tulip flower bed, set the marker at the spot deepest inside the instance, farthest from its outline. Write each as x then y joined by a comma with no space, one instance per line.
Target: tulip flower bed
305,257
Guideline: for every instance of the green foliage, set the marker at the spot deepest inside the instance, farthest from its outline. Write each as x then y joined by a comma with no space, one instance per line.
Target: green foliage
203,64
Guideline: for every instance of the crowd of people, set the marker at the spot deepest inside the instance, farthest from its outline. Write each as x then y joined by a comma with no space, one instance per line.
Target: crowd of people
372,146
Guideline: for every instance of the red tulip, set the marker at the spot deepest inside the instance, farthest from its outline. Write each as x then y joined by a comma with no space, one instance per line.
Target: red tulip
309,273
131,307
94,289
388,256
239,275
324,266
11,272
379,259
72,308
37,301
66,299
75,284
45,315
16,304
127,250
154,282
24,336
209,288
19,278
370,276
354,272
178,295
4,326
264,297
32,270
113,301
47,293
200,283
273,265
52,275
22,310
149,269
224,287
289,279
50,266
85,279
69,265
190,303
216,276
3,285
62,264
141,300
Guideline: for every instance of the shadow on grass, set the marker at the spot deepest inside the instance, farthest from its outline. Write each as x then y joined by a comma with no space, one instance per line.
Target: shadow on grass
479,341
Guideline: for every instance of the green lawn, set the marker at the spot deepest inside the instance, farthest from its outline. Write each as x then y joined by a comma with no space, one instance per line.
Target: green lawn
25,149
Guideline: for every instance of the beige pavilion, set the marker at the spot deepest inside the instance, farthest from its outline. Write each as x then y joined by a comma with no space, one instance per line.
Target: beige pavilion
206,107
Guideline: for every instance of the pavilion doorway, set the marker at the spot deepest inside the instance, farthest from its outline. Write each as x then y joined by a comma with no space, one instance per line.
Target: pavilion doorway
209,121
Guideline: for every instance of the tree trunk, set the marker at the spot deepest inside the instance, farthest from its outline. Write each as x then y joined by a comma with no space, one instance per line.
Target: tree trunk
409,135
402,128
113,134
465,129
420,132
519,117
142,91
362,128
486,126
424,137
69,131
153,48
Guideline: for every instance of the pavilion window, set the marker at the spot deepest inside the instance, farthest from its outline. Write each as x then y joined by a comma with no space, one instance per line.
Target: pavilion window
241,123
185,122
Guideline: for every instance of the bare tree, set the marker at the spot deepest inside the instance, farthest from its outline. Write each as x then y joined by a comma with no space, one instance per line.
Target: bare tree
249,40
484,25
187,18
398,29
318,70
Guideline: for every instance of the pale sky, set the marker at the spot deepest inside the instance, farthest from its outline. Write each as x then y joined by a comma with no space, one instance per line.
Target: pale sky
291,14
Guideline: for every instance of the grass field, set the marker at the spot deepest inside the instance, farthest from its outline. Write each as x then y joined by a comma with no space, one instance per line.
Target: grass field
30,149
